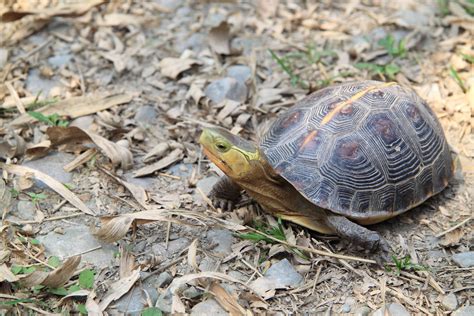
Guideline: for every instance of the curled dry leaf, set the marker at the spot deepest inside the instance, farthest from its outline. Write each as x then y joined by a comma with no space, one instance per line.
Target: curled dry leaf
55,278
46,9
15,31
77,106
118,289
156,152
38,150
127,263
7,275
172,67
115,152
12,145
219,38
80,293
192,251
138,192
166,161
5,198
50,182
452,238
116,227
227,301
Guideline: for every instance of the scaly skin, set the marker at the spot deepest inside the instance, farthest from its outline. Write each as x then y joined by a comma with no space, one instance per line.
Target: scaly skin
247,169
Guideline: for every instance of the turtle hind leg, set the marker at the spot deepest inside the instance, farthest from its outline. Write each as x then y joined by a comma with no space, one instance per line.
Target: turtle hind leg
225,194
360,235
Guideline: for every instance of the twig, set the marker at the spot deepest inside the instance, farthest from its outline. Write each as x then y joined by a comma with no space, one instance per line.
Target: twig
407,300
252,267
315,251
16,98
84,252
454,227
5,296
51,218
28,254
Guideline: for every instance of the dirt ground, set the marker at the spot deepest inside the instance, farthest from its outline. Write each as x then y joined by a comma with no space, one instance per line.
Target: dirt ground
104,185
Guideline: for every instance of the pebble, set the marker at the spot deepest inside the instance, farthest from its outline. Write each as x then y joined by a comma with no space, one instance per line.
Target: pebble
226,88
145,115
52,165
222,238
163,280
464,259
26,210
83,122
464,311
362,311
77,239
450,302
280,275
174,246
208,307
393,309
59,60
206,184
240,73
135,301
348,303
36,84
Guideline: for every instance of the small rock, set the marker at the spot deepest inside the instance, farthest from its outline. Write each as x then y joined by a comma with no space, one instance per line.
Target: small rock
77,239
208,264
348,303
362,311
222,238
182,170
59,60
145,115
240,73
206,184
147,183
169,4
464,259
450,302
393,309
346,308
36,84
196,42
174,246
192,292
464,311
52,165
280,275
135,301
26,210
83,122
163,280
226,88
208,307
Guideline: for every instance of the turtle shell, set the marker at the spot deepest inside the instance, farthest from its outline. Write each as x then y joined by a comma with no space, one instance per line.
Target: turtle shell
367,150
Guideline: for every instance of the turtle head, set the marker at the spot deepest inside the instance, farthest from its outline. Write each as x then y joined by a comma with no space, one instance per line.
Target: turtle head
234,155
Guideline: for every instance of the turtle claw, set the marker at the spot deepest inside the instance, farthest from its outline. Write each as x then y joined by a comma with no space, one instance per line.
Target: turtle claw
381,250
223,204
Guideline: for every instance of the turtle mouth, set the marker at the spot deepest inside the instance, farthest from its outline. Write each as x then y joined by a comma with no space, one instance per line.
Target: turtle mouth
222,164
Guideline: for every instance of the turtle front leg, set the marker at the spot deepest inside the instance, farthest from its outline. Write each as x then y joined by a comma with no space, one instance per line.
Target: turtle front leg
225,194
360,235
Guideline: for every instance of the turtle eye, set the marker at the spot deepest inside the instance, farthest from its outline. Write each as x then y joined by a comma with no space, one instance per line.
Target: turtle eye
222,147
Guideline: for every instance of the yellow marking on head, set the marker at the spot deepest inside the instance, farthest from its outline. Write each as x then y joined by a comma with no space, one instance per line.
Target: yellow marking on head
355,97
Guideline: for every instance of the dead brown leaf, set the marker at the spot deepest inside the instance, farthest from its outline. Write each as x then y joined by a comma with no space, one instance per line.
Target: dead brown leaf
166,161
120,19
14,32
219,38
127,263
77,106
55,278
192,251
118,289
12,145
227,301
172,67
50,182
5,198
73,135
7,275
38,150
452,238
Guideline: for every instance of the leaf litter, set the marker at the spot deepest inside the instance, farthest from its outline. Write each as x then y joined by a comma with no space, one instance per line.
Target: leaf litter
139,175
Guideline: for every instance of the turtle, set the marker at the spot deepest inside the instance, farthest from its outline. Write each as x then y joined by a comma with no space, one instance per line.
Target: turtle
344,157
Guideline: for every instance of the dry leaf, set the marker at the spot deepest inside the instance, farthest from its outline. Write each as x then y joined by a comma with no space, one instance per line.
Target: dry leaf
227,301
156,152
127,263
47,9
172,67
5,198
171,158
229,107
267,8
91,305
12,145
38,150
71,135
77,106
116,227
118,289
50,182
219,38
61,275
138,192
80,293
120,19
14,32
177,306
7,275
192,251
452,238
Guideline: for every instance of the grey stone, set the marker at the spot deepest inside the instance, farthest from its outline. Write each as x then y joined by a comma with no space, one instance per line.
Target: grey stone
284,274
348,303
346,308
196,42
464,311
135,301
464,259
163,280
36,84
77,239
174,246
192,292
145,115
208,307
222,238
208,264
362,311
450,302
182,170
240,73
393,309
52,165
26,210
59,60
226,88
206,184
169,4
83,122
147,183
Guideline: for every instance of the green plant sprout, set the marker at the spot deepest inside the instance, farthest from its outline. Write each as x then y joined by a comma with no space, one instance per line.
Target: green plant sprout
51,120
405,264
394,48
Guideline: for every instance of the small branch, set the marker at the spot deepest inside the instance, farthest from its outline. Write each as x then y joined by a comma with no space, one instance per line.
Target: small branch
454,227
